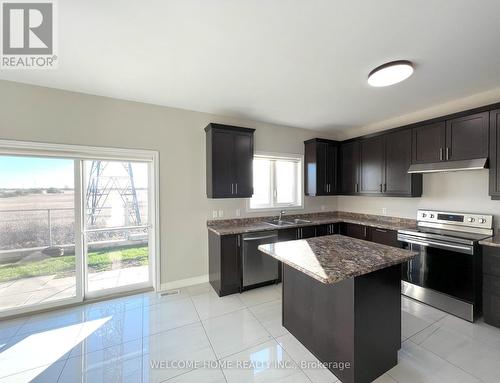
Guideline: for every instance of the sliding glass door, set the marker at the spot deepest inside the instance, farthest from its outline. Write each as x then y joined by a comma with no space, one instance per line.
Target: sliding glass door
74,224
38,256
116,226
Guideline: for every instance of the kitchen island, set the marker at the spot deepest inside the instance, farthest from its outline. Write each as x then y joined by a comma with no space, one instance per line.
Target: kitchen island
342,301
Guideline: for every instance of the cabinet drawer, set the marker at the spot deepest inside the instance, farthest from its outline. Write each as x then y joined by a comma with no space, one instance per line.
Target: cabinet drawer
491,284
491,309
384,237
491,261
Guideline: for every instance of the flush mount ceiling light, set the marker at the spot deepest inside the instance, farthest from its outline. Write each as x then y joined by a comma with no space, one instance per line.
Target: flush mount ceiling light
390,73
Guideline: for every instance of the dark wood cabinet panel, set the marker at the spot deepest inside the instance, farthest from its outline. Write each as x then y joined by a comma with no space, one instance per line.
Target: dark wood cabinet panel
429,143
329,229
371,166
287,235
491,285
331,168
224,264
467,137
384,237
229,161
397,181
349,165
354,230
306,232
222,163
320,167
495,154
243,162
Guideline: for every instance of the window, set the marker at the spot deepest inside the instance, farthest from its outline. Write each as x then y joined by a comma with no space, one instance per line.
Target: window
277,182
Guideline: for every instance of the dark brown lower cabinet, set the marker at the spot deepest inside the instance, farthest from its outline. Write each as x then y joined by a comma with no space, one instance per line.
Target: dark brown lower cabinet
384,236
224,263
491,285
328,229
287,235
354,230
224,258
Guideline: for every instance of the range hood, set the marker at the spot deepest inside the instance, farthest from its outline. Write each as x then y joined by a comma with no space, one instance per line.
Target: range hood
449,166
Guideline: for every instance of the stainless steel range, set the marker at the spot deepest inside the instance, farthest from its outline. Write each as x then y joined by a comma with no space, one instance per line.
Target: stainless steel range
447,273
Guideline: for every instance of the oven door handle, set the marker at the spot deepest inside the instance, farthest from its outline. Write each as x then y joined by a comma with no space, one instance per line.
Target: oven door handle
439,245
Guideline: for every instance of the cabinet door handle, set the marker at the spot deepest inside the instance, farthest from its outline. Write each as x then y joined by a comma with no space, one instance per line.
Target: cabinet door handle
239,243
447,154
236,185
440,154
381,230
385,188
232,188
366,232
381,188
356,188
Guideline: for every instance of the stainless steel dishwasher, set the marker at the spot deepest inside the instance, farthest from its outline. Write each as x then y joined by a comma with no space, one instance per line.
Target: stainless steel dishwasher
258,267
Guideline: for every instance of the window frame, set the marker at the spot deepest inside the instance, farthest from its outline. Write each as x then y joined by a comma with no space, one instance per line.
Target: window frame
299,158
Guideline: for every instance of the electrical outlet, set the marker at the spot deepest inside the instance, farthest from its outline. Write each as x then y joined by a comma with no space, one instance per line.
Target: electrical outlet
384,211
214,214
238,212
221,213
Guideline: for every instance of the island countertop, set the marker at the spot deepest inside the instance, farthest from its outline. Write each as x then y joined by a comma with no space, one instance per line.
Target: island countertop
334,258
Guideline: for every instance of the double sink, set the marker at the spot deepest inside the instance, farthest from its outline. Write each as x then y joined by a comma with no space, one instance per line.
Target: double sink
284,223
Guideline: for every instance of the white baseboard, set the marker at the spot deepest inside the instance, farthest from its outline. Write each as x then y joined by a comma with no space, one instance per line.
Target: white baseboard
184,282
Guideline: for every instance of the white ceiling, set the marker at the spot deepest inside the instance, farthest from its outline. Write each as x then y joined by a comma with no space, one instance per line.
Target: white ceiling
292,62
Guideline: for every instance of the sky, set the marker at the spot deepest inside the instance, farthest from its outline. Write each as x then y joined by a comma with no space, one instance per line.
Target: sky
34,172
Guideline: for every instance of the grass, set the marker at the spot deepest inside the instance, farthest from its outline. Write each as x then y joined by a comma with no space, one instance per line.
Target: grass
98,261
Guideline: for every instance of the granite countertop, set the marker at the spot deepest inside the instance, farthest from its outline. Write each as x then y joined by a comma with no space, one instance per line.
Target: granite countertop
334,258
492,241
249,225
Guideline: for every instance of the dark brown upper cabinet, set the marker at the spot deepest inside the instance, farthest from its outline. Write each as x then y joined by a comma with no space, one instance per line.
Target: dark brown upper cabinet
467,137
384,163
462,138
371,169
320,167
397,181
428,143
349,165
229,161
495,154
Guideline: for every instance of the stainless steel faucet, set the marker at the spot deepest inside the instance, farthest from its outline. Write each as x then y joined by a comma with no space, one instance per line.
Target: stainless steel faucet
282,212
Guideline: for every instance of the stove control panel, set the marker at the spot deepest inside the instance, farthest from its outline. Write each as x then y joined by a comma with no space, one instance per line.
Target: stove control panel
461,219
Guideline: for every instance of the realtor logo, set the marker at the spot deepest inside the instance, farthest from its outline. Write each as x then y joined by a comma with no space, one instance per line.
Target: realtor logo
28,35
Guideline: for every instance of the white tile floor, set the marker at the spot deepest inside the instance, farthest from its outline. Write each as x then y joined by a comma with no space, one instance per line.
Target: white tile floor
130,339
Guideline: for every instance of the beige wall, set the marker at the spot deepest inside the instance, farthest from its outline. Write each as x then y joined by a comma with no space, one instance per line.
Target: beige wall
47,115
465,191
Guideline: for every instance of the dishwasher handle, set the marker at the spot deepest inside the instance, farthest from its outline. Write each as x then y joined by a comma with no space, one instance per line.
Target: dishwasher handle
260,238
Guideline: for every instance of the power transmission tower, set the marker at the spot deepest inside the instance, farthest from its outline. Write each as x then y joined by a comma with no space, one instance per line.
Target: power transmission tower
99,187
